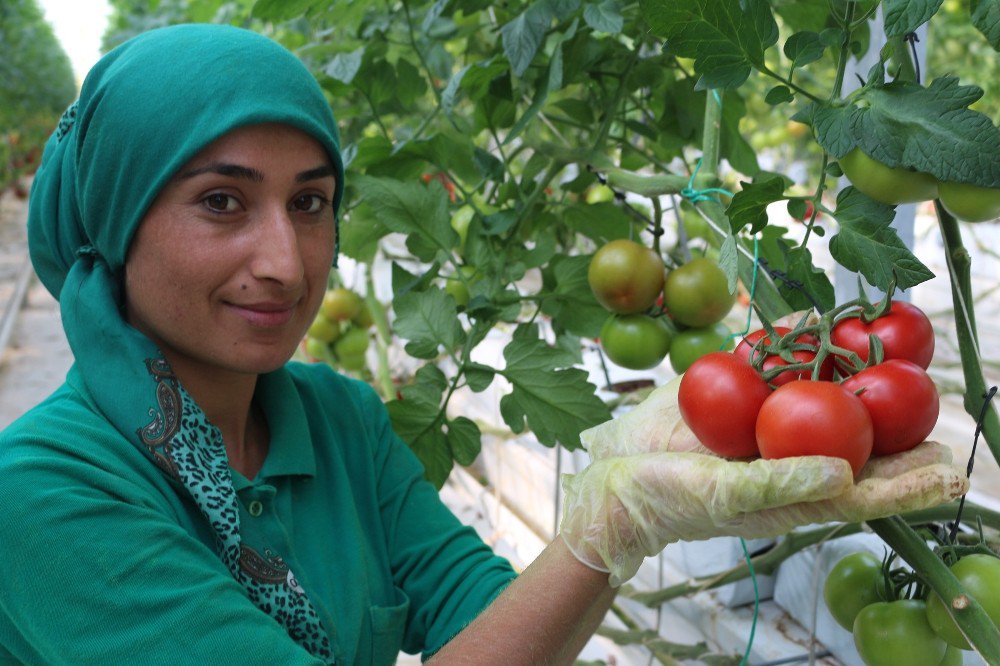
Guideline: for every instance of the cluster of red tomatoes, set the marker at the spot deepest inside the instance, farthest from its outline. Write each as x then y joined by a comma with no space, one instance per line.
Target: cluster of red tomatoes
339,334
632,283
781,393
916,631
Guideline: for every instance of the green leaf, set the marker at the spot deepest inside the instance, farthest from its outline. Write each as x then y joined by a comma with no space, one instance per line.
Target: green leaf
905,16
479,376
601,222
729,262
429,320
557,404
498,223
986,18
280,10
345,66
749,205
804,47
832,126
931,130
604,16
360,233
868,245
523,36
725,38
416,418
569,299
814,282
779,95
464,439
418,211
490,167
403,281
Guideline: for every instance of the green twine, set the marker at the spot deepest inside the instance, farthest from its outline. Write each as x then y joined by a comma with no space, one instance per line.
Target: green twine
695,195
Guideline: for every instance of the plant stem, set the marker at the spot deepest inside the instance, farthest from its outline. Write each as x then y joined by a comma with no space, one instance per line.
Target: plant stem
712,134
383,338
982,634
788,82
959,264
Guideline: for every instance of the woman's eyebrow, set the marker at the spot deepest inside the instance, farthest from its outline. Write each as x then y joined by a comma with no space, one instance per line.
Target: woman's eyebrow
324,171
223,169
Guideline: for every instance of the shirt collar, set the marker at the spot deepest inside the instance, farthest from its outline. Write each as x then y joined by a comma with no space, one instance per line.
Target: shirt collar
290,451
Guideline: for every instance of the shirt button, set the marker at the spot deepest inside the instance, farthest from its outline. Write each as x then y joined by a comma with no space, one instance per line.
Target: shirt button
256,508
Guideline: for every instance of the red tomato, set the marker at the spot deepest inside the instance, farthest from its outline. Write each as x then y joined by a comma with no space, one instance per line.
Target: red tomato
902,401
719,398
905,332
815,418
745,347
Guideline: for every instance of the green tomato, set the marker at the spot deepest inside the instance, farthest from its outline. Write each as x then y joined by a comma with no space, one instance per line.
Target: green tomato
690,345
697,293
952,657
852,584
637,342
626,277
340,304
458,285
599,193
317,349
892,633
890,185
971,203
353,342
353,362
323,329
364,317
979,574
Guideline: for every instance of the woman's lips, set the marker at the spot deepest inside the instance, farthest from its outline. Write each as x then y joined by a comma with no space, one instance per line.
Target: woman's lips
265,315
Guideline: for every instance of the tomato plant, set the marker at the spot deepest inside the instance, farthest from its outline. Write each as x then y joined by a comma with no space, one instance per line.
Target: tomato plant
891,185
853,583
979,575
625,276
815,418
905,331
691,344
760,338
719,399
971,203
697,293
637,342
890,633
902,401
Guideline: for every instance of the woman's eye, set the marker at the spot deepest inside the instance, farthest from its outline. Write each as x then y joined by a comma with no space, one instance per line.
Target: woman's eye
221,203
309,203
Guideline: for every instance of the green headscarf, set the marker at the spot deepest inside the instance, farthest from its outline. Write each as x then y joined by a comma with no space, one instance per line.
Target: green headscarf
145,110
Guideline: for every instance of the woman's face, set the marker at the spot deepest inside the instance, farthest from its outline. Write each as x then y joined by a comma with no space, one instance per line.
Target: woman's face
230,264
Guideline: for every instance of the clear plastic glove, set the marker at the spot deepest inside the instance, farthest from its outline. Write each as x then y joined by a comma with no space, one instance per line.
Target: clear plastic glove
651,483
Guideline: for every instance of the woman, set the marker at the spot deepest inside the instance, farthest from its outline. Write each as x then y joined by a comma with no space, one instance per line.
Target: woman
187,496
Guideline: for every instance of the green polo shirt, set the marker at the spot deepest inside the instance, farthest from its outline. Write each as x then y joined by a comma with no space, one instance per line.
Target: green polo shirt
104,562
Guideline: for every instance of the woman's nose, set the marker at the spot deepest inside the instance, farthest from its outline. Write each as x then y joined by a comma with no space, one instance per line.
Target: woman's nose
277,255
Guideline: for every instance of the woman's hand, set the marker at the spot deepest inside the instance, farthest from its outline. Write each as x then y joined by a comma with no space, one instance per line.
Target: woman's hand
651,484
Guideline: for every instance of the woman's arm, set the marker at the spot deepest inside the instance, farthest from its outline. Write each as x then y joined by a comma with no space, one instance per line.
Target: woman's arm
545,616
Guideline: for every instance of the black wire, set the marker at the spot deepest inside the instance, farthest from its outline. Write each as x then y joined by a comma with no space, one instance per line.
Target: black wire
782,277
912,38
987,398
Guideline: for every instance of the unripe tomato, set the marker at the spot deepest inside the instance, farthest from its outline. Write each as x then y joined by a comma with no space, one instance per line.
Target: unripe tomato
691,344
625,276
979,575
323,329
853,583
893,633
458,285
807,418
890,185
905,331
902,401
352,362
971,203
340,304
316,349
697,293
637,342
719,399
364,317
353,342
